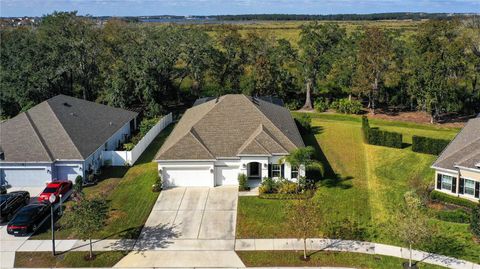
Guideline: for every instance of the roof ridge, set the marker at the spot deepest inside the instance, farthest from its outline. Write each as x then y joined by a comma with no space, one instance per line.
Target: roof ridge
172,144
273,138
195,135
35,130
263,115
251,138
61,125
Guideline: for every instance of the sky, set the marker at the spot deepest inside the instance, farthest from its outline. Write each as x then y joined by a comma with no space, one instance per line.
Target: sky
14,8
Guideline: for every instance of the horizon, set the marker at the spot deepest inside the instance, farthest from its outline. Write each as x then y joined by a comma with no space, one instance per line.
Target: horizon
136,8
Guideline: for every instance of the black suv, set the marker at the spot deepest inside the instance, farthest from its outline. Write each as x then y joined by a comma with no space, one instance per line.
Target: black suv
11,202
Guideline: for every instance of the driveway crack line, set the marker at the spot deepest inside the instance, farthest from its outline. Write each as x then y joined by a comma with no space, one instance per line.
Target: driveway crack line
203,213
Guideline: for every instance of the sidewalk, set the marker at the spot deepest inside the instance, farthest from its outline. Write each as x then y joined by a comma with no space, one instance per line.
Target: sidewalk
351,246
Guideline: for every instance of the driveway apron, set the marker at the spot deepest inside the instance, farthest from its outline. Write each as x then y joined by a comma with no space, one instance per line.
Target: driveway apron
189,227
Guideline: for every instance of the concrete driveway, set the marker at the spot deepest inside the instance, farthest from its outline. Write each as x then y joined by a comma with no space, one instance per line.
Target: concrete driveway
9,243
189,227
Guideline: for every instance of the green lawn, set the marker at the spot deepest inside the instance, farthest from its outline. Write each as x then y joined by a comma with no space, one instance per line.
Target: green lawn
69,259
365,184
323,258
129,195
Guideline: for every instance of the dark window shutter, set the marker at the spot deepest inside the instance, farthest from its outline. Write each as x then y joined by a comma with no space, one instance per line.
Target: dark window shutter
439,181
477,189
461,185
454,185
269,170
282,171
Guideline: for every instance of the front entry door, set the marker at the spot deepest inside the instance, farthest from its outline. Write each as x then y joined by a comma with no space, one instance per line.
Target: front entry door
254,170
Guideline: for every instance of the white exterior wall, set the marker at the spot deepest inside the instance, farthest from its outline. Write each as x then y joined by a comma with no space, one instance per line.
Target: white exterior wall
75,168
220,172
461,173
95,160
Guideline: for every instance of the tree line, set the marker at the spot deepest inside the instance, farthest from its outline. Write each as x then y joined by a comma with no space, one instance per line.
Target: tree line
159,67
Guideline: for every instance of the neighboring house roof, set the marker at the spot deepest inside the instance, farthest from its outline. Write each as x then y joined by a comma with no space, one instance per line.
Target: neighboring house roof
464,150
60,128
230,126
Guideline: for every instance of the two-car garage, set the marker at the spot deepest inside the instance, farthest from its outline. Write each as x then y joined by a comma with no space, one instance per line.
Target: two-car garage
199,175
24,176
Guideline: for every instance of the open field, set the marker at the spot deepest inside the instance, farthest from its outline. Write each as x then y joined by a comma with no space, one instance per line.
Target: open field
364,185
128,193
325,258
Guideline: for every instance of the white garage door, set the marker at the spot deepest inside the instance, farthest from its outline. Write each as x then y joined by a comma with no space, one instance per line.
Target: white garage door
30,177
185,177
67,173
226,175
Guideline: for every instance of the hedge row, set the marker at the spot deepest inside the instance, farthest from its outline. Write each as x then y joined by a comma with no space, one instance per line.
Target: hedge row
375,136
446,198
428,145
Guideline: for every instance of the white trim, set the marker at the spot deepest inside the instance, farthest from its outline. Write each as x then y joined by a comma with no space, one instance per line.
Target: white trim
68,164
186,160
469,195
468,168
444,169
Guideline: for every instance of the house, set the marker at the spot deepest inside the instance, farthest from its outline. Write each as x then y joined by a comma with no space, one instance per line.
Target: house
457,169
219,138
60,138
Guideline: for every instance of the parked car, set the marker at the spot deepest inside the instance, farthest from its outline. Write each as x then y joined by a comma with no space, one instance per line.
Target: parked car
57,188
11,202
28,219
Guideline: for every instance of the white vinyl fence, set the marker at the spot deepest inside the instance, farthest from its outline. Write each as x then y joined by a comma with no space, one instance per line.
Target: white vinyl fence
129,157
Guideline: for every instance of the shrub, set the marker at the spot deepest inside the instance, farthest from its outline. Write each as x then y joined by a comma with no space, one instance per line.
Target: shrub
446,198
375,136
78,186
158,186
306,183
146,125
428,145
242,182
285,187
268,186
347,106
128,146
458,215
287,196
304,122
321,104
475,221
294,105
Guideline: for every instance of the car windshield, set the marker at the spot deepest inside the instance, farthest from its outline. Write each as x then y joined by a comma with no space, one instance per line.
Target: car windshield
25,214
49,190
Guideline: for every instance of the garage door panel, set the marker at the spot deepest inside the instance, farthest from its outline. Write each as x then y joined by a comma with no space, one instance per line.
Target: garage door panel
226,175
199,177
26,177
67,172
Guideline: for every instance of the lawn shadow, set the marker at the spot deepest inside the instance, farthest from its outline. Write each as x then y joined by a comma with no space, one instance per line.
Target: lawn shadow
112,172
310,140
150,152
337,182
405,145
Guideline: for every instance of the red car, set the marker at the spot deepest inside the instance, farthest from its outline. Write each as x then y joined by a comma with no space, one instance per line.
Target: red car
57,188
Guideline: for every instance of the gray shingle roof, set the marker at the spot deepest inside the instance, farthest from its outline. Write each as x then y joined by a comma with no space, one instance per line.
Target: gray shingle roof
61,128
464,150
231,126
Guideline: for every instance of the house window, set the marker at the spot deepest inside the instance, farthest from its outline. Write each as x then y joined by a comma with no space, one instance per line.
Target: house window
447,182
294,173
276,170
469,187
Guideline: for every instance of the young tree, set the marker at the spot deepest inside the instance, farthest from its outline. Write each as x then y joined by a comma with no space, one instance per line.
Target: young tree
302,157
88,217
318,42
373,60
304,220
411,225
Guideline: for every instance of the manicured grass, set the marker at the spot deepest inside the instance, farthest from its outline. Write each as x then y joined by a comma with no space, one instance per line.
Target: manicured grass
322,258
364,184
129,195
69,259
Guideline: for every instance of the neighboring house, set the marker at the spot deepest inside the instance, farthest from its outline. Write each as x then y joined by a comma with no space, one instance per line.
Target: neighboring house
219,138
458,166
59,139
